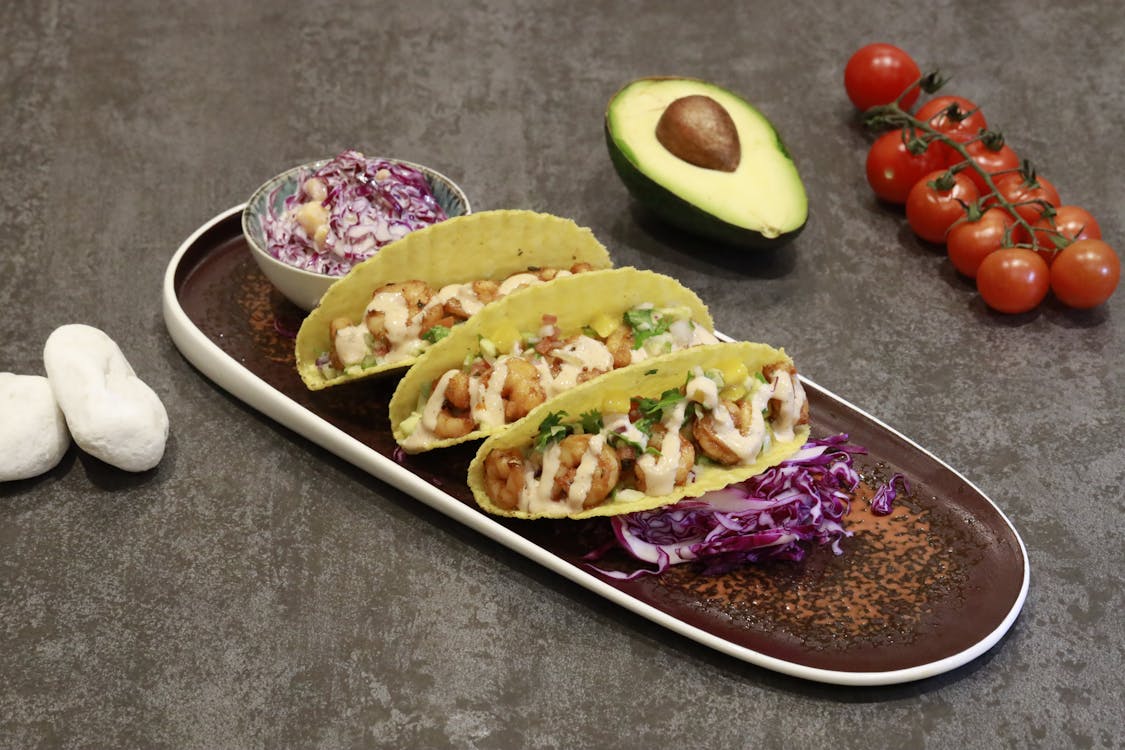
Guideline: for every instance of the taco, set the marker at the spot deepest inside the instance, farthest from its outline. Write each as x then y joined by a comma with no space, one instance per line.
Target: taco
539,343
647,435
393,306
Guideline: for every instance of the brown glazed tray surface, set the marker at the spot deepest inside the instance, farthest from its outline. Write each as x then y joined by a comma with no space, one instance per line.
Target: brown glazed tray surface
917,593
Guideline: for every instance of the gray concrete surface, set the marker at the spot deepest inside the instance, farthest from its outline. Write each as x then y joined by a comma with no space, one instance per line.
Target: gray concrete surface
254,591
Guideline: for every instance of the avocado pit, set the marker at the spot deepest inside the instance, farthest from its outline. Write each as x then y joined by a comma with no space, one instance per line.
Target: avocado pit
697,129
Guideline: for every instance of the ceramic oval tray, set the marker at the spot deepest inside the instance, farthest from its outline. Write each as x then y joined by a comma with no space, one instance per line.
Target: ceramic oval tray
917,593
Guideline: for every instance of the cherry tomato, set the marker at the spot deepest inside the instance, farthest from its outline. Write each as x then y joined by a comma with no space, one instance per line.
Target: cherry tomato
878,73
1015,189
1013,280
932,208
969,242
971,118
935,111
1071,222
1085,273
892,169
990,161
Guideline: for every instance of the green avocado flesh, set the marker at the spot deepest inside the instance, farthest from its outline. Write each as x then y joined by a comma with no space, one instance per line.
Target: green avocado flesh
761,203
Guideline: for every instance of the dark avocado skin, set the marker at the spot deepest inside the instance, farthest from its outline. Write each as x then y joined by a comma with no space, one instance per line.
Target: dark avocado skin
674,210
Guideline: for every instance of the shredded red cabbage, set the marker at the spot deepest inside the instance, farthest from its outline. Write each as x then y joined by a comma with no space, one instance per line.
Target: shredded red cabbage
370,203
774,515
883,502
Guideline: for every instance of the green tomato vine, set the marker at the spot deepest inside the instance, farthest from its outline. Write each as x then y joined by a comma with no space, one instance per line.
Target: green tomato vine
920,135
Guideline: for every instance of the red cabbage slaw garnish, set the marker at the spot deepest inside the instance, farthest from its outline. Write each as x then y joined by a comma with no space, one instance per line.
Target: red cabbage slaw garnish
774,515
370,203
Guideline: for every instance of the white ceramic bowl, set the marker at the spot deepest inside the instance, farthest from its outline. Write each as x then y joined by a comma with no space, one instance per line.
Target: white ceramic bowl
305,288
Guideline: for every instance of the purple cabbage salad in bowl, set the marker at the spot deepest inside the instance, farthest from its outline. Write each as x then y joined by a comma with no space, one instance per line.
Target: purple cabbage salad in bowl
311,224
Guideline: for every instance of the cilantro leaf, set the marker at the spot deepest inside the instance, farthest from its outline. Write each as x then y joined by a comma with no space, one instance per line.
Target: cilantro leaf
592,422
616,439
552,429
652,409
645,325
656,406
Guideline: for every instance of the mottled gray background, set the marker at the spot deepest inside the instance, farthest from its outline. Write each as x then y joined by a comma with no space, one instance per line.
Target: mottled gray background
254,591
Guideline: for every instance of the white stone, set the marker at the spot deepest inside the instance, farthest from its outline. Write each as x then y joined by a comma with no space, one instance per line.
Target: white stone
33,434
111,413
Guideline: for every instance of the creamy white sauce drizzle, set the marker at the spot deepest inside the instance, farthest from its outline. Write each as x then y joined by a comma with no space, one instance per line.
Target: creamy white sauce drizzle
396,315
437,400
745,446
401,328
425,430
535,497
584,474
620,424
517,281
703,390
790,397
660,471
351,345
572,359
464,294
487,405
536,493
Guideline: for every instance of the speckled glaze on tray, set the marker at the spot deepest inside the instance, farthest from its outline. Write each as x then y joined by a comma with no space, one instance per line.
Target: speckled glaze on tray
918,593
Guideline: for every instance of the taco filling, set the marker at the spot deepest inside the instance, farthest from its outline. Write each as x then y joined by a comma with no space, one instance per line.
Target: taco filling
647,446
404,318
508,378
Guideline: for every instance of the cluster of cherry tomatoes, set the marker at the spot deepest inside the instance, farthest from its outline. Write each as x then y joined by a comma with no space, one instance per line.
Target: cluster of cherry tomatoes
963,186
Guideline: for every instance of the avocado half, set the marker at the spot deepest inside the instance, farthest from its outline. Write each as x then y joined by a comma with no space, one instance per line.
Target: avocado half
760,203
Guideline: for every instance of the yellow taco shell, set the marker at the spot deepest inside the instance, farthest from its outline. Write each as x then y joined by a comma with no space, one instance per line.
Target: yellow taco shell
648,379
484,245
585,299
